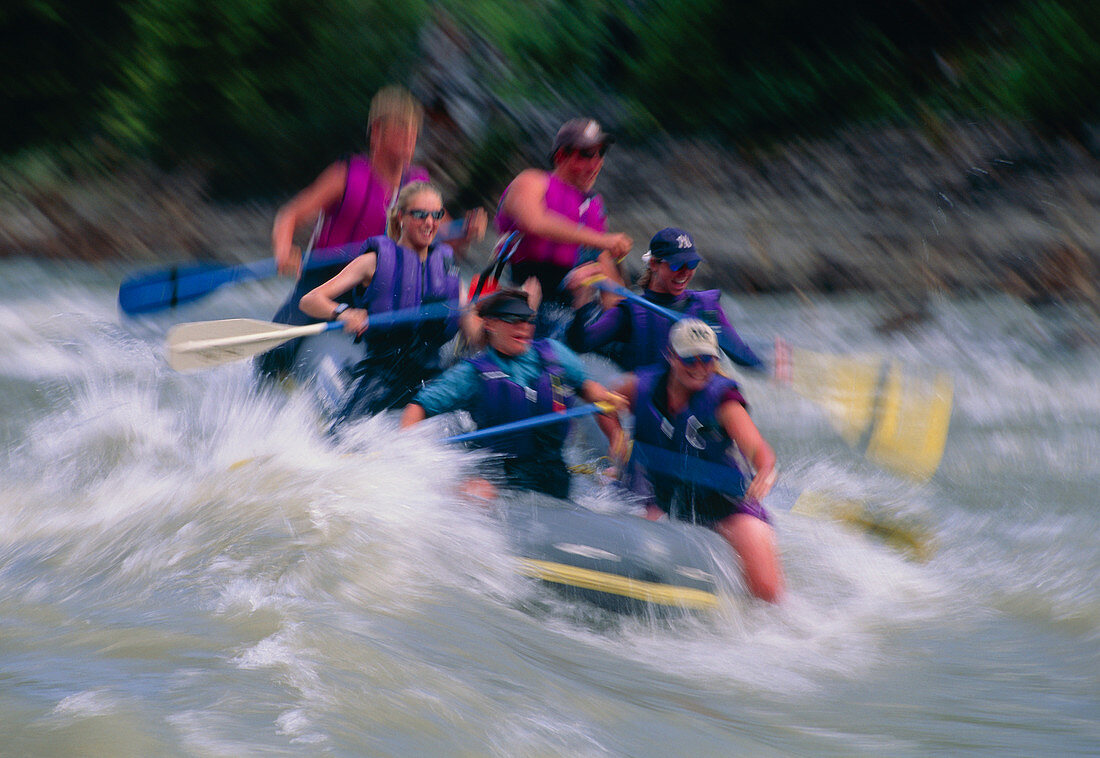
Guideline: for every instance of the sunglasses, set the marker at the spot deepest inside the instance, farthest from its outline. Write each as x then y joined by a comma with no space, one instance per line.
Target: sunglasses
697,360
420,215
592,152
677,266
511,318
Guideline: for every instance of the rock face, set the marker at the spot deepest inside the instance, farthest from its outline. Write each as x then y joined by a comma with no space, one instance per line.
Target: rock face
139,213
980,207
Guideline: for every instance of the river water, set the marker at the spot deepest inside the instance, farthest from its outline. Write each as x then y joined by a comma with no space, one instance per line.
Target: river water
191,568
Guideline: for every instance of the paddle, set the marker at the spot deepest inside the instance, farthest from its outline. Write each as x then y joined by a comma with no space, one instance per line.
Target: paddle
168,287
905,535
738,352
505,247
203,344
533,421
899,422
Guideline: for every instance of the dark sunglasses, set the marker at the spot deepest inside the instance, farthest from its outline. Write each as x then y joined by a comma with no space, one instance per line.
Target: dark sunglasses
677,266
420,215
511,318
592,152
696,360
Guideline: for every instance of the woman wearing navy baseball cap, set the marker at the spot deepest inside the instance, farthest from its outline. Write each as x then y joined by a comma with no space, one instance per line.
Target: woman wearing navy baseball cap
640,333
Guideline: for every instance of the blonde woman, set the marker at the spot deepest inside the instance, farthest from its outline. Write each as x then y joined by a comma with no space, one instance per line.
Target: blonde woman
405,270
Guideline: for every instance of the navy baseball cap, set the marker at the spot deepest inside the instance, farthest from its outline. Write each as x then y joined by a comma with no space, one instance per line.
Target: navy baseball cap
674,246
505,302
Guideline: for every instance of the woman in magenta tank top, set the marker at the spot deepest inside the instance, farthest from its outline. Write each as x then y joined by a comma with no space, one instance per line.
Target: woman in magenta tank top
557,213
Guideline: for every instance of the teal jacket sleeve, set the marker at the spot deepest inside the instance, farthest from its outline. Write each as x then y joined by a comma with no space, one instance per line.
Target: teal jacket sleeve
452,390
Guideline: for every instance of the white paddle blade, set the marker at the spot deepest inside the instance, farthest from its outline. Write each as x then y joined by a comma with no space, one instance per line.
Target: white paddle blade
204,344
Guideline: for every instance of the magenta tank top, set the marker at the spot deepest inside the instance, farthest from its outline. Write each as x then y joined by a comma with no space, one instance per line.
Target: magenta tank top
566,200
361,212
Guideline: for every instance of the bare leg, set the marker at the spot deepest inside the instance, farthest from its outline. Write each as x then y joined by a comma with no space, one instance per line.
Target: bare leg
754,542
477,490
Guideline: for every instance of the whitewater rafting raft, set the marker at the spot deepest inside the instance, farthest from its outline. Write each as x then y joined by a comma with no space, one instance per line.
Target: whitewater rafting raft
617,561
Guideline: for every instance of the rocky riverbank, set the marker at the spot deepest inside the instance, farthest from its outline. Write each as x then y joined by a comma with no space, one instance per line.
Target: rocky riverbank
959,210
953,209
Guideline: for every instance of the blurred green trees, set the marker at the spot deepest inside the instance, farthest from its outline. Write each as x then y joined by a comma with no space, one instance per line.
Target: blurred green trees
255,92
260,94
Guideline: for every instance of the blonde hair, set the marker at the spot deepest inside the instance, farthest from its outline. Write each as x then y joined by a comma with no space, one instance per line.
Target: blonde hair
647,273
397,103
401,204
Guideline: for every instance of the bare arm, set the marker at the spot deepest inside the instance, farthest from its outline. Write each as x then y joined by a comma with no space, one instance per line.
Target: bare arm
326,189
740,427
473,230
609,423
413,414
526,203
594,392
320,302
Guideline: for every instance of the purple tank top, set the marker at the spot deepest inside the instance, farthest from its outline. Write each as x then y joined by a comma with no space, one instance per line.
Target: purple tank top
566,200
361,212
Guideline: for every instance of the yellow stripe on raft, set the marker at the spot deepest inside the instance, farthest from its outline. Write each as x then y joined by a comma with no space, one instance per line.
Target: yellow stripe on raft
601,581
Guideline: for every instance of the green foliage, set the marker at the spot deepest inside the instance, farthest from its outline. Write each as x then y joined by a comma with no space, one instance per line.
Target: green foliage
253,87
769,70
554,47
1045,67
57,58
261,94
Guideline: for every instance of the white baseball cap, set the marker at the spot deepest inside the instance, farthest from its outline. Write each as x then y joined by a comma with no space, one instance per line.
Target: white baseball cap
691,337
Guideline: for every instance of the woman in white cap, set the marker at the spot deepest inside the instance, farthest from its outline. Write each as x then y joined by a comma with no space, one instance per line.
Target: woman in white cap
698,456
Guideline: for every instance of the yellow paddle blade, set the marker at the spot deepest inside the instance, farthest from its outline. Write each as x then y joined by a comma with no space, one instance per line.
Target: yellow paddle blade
910,429
906,536
843,386
900,422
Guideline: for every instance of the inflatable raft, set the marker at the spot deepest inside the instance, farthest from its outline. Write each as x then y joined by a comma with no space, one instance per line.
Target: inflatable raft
323,364
617,561
620,562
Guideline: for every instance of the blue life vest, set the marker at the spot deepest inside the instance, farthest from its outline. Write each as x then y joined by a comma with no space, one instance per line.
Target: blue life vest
649,330
401,280
408,284
501,400
694,432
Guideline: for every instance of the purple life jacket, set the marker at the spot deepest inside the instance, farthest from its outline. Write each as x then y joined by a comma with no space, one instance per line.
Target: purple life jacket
694,432
502,400
361,211
401,280
649,330
579,207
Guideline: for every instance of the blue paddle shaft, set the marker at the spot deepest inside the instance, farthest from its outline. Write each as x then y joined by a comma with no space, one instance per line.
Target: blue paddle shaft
168,287
736,350
527,423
